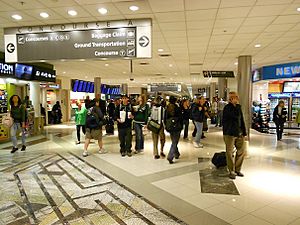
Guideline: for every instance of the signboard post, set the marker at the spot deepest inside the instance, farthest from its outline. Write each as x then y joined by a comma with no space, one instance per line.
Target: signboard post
115,39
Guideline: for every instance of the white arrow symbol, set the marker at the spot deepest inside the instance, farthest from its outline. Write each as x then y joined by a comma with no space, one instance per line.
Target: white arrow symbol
144,41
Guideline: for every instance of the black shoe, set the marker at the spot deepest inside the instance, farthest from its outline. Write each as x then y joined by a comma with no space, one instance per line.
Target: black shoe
232,176
170,161
202,137
177,156
156,157
129,154
162,155
23,148
14,150
239,174
123,154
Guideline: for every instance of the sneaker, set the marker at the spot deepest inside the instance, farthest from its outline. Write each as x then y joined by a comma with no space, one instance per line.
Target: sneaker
123,154
129,154
170,161
102,151
23,148
162,155
232,175
77,142
85,153
239,174
14,150
156,157
198,145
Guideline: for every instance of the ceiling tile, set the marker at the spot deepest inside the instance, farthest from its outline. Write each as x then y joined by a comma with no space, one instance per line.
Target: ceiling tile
196,4
287,19
166,5
233,12
273,2
251,29
170,17
236,3
196,25
269,10
279,27
253,21
205,14
173,26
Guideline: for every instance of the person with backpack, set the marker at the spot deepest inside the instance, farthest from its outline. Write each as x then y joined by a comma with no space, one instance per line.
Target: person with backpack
174,124
124,116
157,113
198,115
18,114
80,120
94,122
140,120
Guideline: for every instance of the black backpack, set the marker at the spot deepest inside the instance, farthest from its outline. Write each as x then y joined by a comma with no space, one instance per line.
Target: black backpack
92,119
219,159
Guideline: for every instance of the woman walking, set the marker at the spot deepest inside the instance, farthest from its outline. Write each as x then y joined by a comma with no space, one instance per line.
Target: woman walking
279,118
17,112
80,120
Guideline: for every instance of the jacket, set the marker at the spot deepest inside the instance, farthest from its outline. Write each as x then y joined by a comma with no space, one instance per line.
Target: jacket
186,113
279,118
18,113
198,115
127,109
233,121
80,116
141,115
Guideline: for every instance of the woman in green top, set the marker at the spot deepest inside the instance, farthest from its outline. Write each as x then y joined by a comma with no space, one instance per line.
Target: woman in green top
17,112
80,118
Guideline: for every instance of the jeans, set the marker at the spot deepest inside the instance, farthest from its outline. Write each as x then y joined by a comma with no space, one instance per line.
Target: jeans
186,128
13,132
125,137
279,130
199,126
174,152
139,137
234,164
220,118
78,131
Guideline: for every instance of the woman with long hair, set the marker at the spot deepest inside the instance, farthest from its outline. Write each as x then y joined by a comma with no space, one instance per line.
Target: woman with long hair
18,113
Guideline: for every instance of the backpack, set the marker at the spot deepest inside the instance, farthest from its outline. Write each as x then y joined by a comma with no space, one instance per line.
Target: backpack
92,119
172,124
219,159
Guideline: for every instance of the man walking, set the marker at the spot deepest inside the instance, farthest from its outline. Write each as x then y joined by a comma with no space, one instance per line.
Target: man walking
234,133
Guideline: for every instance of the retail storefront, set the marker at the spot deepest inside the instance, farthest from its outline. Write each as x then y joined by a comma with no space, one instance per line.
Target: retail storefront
272,84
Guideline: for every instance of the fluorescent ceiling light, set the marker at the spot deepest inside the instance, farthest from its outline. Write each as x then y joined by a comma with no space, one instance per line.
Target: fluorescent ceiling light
102,11
106,64
160,50
44,14
17,17
170,65
72,13
298,9
236,63
257,45
134,8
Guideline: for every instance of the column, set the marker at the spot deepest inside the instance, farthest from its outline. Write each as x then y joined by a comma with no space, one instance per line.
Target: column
124,89
245,88
222,85
97,82
212,91
35,97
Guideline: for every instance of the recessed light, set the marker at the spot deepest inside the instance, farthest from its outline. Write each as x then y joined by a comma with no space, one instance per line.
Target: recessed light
134,8
44,14
17,17
64,72
102,11
106,64
235,63
175,73
124,72
72,13
257,45
85,77
298,9
170,65
160,50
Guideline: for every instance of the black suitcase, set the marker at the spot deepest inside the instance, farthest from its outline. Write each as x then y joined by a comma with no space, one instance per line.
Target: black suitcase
109,128
219,159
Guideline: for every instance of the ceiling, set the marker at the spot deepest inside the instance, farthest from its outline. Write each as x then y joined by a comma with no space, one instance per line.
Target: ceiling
199,35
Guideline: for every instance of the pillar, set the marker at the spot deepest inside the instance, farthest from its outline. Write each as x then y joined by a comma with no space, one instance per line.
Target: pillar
124,89
245,88
222,85
212,91
97,82
35,97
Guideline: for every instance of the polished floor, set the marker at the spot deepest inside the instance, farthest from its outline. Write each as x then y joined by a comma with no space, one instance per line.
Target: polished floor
51,183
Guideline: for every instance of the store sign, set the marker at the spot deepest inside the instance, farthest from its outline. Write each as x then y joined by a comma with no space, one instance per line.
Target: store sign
115,39
296,95
7,69
42,74
279,95
164,87
279,71
210,73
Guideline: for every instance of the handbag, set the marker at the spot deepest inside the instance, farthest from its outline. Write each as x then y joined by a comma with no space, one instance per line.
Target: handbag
154,126
7,120
173,124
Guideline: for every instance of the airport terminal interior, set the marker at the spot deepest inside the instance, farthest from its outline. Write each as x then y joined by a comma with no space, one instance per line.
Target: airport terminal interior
123,75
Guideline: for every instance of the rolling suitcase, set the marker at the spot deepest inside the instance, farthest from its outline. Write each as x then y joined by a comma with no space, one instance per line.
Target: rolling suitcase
219,159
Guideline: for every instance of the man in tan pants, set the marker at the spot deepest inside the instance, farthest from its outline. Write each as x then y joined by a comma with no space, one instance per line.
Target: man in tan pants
234,133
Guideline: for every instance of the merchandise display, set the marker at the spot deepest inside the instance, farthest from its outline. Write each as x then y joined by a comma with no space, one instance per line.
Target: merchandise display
261,116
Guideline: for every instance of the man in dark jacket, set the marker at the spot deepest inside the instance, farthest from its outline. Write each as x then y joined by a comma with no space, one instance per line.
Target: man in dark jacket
234,133
123,115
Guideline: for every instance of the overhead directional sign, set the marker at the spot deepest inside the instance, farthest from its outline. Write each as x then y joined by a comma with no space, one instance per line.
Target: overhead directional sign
114,39
210,73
